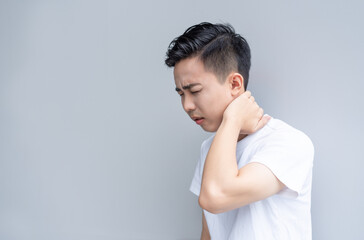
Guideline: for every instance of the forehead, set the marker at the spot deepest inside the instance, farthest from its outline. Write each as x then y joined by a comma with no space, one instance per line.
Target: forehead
189,71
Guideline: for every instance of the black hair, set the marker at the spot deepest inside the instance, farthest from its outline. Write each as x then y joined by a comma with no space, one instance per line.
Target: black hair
220,49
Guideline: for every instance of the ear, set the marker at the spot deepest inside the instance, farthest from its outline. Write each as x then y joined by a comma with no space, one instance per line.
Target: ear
236,84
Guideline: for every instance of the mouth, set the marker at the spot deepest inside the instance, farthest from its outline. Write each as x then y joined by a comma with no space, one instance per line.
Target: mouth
198,120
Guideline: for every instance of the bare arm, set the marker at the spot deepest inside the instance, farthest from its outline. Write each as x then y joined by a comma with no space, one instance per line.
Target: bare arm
225,187
205,235
251,183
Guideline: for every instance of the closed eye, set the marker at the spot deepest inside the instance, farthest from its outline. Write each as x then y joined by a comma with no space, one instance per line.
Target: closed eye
195,92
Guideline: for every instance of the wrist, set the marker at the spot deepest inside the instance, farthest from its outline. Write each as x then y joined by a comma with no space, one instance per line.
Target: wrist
231,123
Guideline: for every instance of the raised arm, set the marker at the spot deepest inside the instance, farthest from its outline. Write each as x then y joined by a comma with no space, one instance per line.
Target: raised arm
205,234
224,187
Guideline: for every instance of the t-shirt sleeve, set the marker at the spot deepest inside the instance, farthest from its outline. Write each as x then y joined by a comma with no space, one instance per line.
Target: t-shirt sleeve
195,186
290,158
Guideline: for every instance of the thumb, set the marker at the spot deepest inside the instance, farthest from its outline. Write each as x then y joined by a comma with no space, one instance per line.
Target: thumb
263,121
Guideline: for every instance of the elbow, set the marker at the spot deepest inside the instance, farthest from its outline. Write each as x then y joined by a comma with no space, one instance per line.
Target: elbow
210,202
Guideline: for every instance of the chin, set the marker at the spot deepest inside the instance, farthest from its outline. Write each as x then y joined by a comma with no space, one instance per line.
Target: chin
210,129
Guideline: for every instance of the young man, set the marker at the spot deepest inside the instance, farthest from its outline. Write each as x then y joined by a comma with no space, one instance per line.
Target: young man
254,174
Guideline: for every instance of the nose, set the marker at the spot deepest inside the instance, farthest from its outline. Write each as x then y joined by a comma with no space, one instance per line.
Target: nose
188,104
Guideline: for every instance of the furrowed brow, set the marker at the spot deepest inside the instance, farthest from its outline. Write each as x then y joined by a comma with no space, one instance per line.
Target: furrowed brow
188,86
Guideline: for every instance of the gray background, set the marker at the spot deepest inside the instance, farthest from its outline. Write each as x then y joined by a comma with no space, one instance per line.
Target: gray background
94,143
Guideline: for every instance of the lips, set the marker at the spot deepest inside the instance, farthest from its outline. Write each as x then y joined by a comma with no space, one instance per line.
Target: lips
197,119
194,118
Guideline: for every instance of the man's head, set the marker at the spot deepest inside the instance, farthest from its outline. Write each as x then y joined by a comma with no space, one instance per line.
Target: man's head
213,60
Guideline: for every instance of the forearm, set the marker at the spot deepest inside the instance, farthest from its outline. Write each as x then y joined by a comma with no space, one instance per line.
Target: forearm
220,164
205,236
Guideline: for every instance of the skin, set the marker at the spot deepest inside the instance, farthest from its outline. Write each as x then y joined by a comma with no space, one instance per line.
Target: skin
205,234
232,113
207,92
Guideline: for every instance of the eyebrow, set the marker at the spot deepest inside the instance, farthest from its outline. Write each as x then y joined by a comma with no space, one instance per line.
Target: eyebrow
188,86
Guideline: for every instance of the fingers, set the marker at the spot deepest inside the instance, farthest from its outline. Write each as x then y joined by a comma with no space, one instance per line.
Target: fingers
264,120
260,111
252,100
250,96
257,108
247,93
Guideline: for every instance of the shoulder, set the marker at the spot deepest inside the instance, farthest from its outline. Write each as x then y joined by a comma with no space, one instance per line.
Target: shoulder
279,136
282,131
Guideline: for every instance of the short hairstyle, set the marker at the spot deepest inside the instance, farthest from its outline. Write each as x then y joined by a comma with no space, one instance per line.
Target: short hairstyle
220,49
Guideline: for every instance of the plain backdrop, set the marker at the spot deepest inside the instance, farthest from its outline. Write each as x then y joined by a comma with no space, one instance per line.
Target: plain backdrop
95,145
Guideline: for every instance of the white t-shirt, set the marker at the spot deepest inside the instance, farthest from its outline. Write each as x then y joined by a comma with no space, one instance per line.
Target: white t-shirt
288,153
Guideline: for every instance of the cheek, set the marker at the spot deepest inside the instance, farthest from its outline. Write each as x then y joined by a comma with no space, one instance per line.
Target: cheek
214,113
218,105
